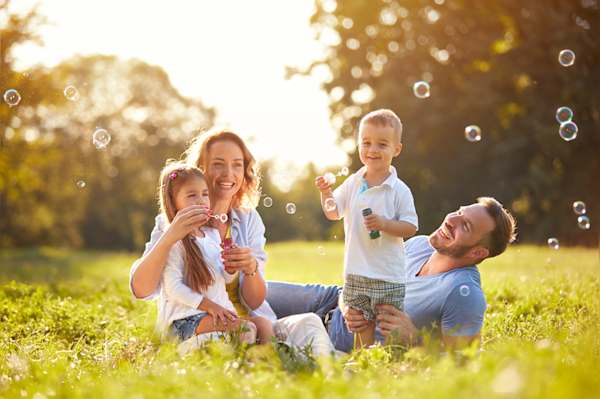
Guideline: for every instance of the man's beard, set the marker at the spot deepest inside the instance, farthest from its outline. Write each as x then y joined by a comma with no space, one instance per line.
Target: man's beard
457,251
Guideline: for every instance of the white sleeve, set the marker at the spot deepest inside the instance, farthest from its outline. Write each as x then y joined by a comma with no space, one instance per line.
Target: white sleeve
257,240
405,208
341,195
173,279
157,232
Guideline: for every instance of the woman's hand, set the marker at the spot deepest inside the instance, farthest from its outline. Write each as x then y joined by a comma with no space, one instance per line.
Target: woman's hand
395,323
186,221
219,313
239,259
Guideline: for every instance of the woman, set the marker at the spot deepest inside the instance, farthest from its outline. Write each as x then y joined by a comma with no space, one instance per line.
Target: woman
233,185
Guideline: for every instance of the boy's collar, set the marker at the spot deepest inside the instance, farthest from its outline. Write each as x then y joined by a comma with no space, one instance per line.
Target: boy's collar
390,181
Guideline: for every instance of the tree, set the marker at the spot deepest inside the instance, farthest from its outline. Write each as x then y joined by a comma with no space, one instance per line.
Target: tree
490,64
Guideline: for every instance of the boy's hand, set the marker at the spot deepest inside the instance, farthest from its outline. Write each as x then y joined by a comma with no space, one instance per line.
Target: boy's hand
322,185
374,222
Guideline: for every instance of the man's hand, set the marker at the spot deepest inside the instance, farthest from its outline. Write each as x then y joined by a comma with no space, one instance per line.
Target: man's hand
355,321
375,222
322,185
396,324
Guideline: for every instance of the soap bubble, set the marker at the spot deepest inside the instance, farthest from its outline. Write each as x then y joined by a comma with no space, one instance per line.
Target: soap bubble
329,178
579,207
564,114
81,184
268,202
71,93
421,89
583,222
344,171
568,131
101,138
553,243
330,205
473,133
566,57
290,208
464,290
12,97
321,250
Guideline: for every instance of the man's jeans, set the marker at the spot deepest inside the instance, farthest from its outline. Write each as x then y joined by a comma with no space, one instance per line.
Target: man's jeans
289,299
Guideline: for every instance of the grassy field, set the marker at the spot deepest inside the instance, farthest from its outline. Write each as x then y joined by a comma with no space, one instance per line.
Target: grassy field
69,328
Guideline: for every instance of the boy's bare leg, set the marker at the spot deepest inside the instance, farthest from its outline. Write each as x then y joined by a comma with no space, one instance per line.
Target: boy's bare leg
366,338
264,329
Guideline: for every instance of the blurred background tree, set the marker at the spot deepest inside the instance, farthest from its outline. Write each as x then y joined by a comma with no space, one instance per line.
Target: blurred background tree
493,64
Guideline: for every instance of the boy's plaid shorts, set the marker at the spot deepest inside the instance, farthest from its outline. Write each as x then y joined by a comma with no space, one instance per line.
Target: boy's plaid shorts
363,293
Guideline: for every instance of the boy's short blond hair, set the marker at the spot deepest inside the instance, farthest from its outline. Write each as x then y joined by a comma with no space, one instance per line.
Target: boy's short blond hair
383,117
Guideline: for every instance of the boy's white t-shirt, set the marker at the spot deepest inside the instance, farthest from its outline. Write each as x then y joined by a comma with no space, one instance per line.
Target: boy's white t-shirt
382,258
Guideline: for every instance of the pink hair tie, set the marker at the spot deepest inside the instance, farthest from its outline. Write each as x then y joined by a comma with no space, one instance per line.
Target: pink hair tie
173,175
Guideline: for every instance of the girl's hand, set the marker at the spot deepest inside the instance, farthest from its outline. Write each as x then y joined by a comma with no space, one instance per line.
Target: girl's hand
186,221
322,185
239,259
219,313
375,222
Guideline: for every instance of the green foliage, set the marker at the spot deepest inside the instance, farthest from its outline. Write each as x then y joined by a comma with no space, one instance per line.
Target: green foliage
493,64
71,329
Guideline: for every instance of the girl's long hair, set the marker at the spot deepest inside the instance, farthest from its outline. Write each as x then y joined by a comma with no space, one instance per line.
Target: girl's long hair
197,155
197,273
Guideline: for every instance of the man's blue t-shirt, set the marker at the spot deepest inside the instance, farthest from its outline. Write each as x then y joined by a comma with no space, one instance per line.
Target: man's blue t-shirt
452,302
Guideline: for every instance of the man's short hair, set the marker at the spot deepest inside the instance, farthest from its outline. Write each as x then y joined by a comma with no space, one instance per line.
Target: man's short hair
383,117
505,227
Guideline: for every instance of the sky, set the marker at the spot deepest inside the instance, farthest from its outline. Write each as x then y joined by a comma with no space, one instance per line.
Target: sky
230,54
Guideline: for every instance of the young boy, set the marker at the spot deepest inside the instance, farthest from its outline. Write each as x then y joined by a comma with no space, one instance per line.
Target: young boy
378,211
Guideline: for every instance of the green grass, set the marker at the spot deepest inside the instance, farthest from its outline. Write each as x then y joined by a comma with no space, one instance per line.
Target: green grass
69,328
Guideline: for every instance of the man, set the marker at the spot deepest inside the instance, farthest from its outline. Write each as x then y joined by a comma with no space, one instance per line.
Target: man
443,290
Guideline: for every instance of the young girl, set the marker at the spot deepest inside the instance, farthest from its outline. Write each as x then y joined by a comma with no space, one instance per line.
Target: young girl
193,299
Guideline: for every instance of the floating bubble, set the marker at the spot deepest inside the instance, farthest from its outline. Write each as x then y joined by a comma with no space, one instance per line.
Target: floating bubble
344,171
268,202
568,131
553,243
564,114
330,205
329,178
566,57
464,290
583,222
101,138
421,89
12,97
222,217
579,207
71,93
321,250
81,184
290,208
473,133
